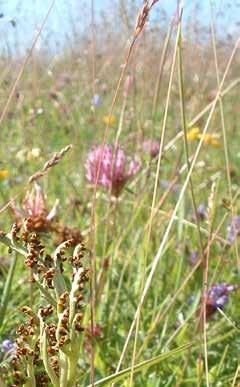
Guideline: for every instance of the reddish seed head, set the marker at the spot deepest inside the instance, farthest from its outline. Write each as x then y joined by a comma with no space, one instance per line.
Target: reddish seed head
151,147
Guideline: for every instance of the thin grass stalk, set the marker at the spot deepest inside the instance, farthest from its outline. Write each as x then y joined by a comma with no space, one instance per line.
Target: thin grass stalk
109,205
174,297
138,29
202,320
142,366
127,227
7,289
203,260
163,313
93,46
30,373
153,203
221,363
177,331
43,348
176,218
21,71
205,287
230,322
169,227
225,144
184,126
180,134
9,203
120,282
195,119
92,216
235,377
30,275
224,92
156,360
93,262
161,68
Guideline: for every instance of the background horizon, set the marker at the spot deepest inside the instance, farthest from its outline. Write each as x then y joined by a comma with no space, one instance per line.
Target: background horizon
67,21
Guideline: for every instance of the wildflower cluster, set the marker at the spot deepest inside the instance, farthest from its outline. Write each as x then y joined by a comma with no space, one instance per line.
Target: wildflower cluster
208,139
39,219
34,209
96,100
4,173
28,154
233,229
218,296
107,167
6,346
109,120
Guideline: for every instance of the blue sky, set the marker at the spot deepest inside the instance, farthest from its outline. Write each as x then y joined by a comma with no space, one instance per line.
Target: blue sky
28,14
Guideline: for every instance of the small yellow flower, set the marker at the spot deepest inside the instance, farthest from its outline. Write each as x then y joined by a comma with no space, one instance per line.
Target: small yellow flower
211,139
34,153
4,173
215,142
193,134
109,120
208,139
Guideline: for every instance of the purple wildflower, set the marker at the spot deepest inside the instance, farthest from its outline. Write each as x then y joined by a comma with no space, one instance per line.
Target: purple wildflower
112,170
96,100
218,296
201,211
233,229
7,346
151,147
166,184
193,257
191,299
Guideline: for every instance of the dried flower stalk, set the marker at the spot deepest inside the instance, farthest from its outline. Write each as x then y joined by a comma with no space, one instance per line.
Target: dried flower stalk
142,16
57,157
50,339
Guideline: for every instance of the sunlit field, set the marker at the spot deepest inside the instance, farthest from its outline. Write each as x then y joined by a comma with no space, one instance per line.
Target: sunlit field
120,200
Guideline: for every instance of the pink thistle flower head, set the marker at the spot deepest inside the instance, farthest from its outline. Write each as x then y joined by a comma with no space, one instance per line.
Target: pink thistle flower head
34,202
34,209
151,147
113,170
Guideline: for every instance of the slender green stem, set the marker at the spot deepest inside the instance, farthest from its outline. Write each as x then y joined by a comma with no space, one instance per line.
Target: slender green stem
59,282
160,68
7,289
47,365
72,360
63,363
204,261
30,373
225,144
6,240
45,292
148,235
2,384
184,126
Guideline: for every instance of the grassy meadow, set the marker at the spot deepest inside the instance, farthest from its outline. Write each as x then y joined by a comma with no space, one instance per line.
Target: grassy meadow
143,290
